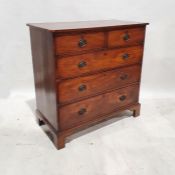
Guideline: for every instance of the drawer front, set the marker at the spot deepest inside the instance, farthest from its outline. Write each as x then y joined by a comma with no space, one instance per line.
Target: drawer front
126,37
74,114
77,88
103,60
76,43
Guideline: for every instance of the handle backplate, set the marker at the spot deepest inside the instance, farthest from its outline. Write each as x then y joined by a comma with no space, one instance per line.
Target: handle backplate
82,87
82,43
82,64
124,77
82,111
125,56
122,98
126,37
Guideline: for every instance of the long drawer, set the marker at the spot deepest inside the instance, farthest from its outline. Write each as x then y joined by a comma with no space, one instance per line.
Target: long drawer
73,66
74,114
73,89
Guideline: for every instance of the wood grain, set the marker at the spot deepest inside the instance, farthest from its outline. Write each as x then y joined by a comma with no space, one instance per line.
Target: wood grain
44,74
75,89
70,116
117,37
103,60
85,72
70,43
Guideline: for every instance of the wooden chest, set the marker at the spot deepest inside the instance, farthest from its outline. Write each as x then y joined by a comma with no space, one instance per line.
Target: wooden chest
84,72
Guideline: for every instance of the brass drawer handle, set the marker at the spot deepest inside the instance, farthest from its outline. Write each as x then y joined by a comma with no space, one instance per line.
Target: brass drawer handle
124,77
82,43
82,87
82,111
126,37
82,64
122,98
125,56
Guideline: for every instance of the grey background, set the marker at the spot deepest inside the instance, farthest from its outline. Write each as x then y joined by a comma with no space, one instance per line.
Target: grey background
121,146
16,74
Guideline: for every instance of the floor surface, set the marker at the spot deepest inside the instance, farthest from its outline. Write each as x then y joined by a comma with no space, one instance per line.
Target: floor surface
121,146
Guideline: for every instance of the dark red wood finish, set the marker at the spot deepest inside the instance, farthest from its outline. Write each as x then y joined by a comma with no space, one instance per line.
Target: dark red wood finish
70,43
98,61
126,37
44,74
83,111
84,72
78,88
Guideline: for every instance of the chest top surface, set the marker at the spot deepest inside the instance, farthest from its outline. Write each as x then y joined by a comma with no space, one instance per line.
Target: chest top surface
78,25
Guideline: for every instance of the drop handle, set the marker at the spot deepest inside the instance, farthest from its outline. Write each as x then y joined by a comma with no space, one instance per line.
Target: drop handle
82,64
82,87
124,77
122,98
82,43
125,56
126,37
82,111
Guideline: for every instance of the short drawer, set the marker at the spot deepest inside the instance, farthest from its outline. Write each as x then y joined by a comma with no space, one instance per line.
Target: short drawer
77,43
103,60
73,89
74,114
126,37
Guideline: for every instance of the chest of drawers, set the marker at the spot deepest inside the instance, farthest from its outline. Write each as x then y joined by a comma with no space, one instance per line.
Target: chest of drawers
84,72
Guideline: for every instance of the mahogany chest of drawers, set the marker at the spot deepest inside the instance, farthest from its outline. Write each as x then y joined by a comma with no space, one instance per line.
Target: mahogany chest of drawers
84,72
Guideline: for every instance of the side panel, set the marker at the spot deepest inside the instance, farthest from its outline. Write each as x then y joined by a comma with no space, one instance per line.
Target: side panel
44,74
126,37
